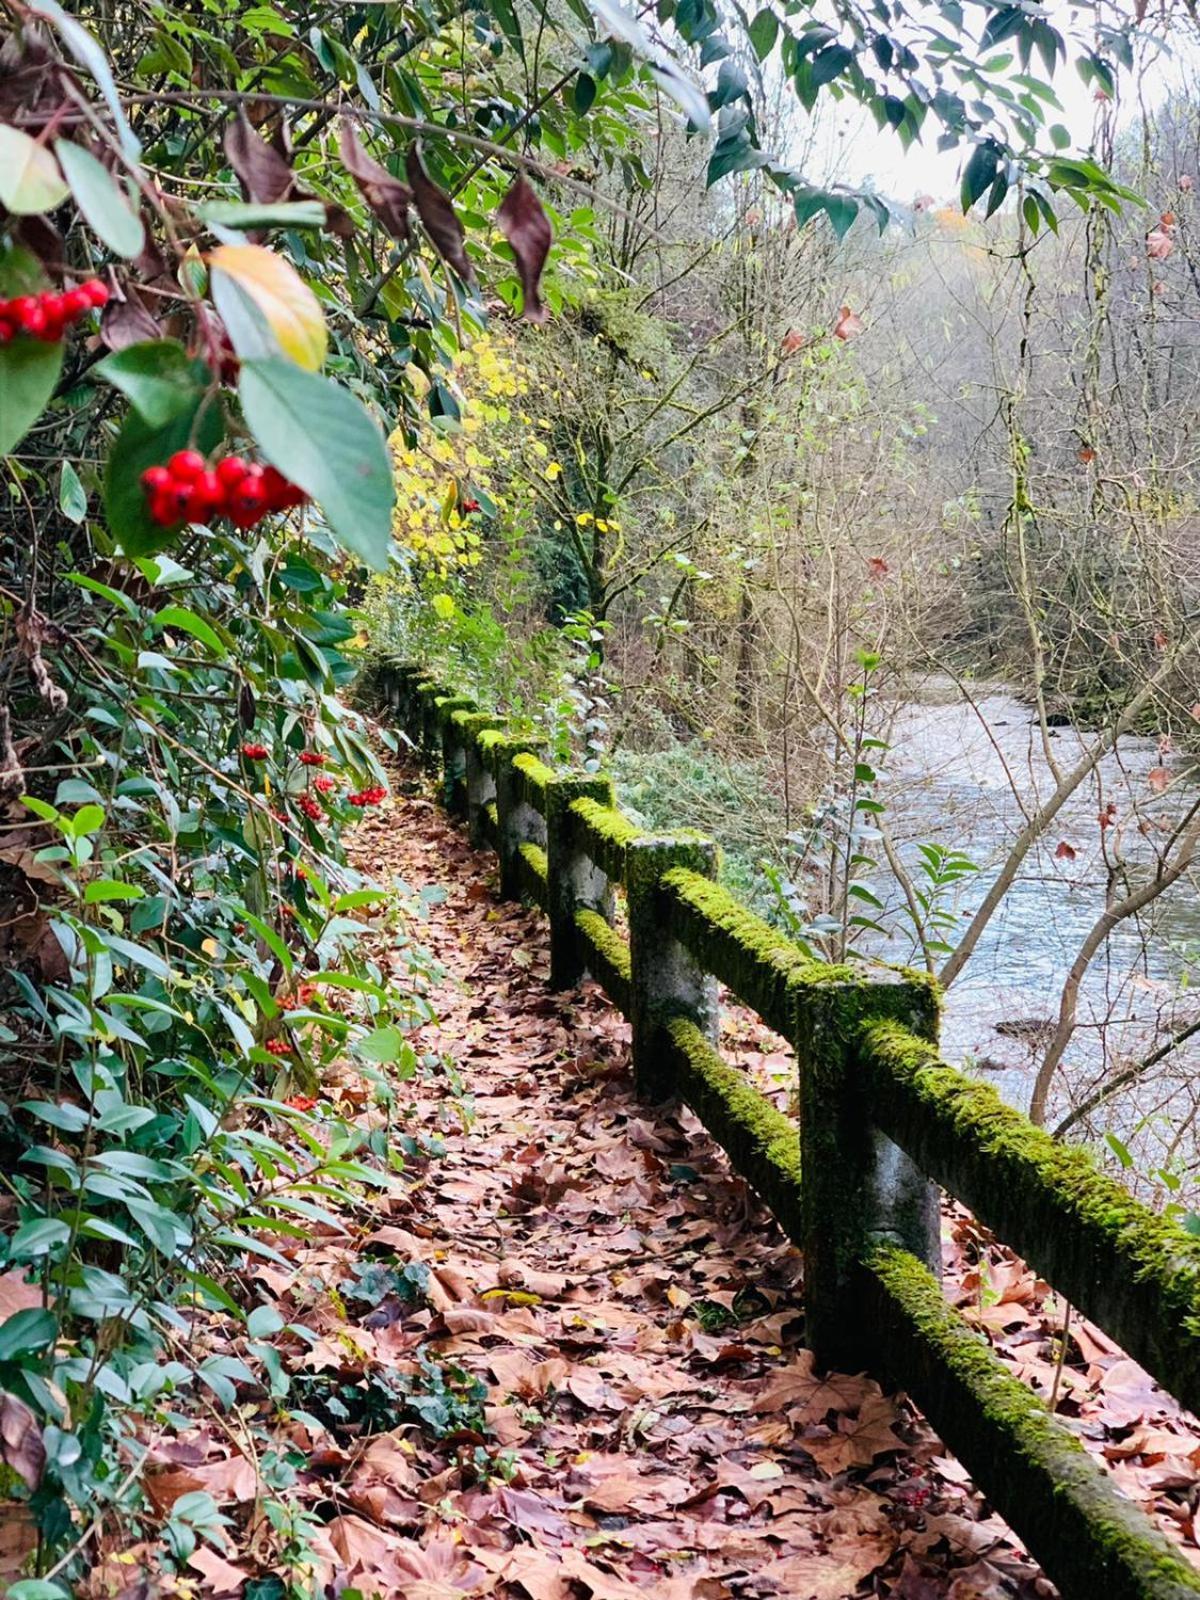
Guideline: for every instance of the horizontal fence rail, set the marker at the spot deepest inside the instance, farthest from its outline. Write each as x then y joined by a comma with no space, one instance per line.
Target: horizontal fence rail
884,1123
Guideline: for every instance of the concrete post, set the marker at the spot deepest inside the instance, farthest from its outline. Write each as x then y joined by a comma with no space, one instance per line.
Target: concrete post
575,881
667,980
859,1187
519,823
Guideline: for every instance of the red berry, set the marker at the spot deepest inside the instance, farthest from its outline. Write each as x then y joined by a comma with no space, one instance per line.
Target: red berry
28,314
6,330
255,752
248,501
76,303
311,808
325,784
313,758
207,496
231,470
155,479
163,509
96,291
185,466
278,1047
275,487
52,311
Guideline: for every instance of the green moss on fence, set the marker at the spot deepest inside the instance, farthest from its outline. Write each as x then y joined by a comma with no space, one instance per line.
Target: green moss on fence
1135,1273
606,833
469,723
760,1141
743,951
1043,1482
533,873
607,957
532,778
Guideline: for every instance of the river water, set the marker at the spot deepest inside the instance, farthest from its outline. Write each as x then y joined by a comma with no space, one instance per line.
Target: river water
964,775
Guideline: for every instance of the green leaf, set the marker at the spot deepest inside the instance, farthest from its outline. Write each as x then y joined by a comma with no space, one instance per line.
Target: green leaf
26,1331
763,32
158,378
381,1045
37,1238
89,55
29,371
71,1119
282,214
979,174
181,617
98,196
318,435
263,1321
104,889
72,496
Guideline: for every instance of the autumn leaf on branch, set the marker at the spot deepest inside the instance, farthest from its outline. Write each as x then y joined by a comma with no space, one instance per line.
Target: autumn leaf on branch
438,218
388,197
526,226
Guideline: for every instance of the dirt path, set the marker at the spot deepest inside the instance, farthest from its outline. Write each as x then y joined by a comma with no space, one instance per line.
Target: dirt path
617,1323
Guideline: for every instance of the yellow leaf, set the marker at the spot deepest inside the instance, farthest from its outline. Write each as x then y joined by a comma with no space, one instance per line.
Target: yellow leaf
288,306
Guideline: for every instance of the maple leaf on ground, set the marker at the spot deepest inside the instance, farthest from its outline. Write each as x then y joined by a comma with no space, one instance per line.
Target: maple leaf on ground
221,1578
816,1394
858,1441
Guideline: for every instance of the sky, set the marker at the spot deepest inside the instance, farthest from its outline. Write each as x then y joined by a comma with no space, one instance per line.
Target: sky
859,153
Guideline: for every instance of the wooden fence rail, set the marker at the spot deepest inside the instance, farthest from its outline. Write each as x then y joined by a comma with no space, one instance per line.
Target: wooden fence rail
883,1123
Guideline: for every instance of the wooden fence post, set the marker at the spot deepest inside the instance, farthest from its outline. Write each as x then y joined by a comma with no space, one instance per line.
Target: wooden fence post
667,980
518,822
858,1186
575,881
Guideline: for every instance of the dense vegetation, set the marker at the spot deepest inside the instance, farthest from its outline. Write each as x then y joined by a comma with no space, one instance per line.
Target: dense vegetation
259,269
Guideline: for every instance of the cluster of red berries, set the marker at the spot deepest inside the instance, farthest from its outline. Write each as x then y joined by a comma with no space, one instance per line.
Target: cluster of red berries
255,752
187,489
277,1047
325,784
313,758
311,808
368,797
46,316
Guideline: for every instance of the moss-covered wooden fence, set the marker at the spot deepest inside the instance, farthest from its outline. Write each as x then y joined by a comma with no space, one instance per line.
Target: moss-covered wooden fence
883,1122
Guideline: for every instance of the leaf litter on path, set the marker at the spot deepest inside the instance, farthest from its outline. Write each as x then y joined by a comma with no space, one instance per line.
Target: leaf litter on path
565,1360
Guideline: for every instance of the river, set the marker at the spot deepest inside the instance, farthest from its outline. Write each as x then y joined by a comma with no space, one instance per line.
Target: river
964,775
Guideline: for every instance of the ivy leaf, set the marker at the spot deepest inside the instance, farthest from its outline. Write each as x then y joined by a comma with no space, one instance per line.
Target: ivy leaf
526,226
104,207
387,197
437,216
30,181
319,436
29,371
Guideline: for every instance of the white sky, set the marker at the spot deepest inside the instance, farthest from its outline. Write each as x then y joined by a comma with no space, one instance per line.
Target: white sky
858,152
